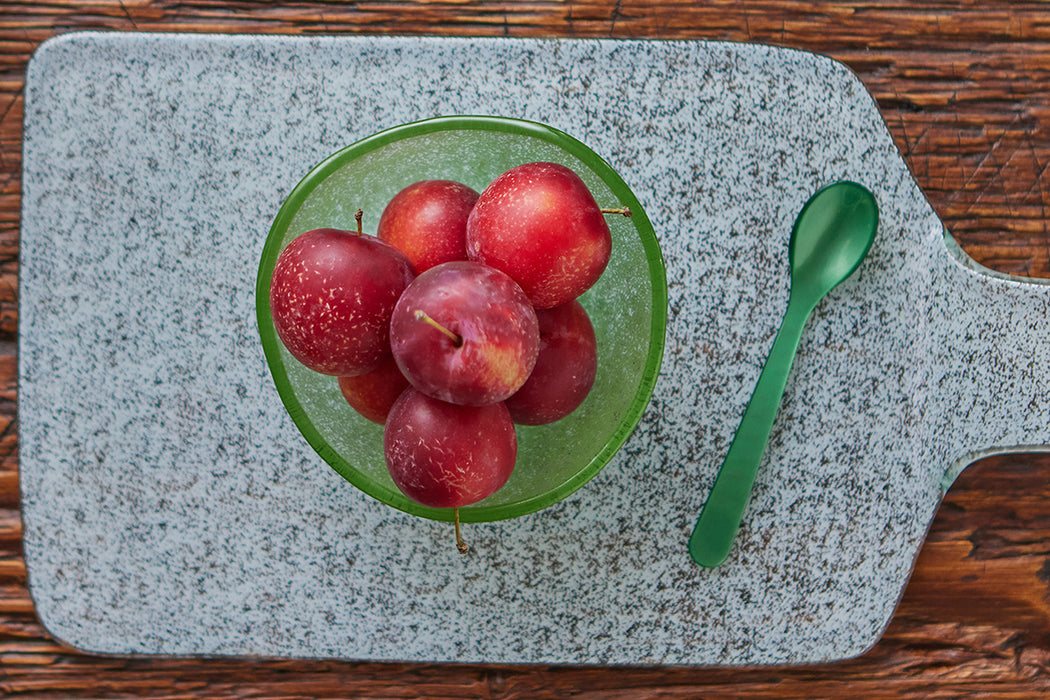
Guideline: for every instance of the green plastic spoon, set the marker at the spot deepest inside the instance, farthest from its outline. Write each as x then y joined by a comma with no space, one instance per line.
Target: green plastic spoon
831,236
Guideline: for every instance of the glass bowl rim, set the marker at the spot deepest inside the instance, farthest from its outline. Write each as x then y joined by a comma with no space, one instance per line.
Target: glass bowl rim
658,324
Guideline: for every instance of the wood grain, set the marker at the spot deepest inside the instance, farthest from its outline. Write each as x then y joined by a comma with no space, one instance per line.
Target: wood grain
965,91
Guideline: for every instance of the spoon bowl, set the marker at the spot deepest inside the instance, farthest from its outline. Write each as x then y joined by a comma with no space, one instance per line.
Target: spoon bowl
831,236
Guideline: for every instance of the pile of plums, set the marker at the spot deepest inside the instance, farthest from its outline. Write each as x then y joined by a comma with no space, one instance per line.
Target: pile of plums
457,320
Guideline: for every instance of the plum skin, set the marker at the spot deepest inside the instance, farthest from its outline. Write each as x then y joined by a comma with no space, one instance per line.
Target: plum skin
497,326
566,367
445,455
373,394
331,296
427,221
539,223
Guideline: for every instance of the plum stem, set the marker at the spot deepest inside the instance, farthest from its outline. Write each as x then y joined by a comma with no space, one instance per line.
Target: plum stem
425,318
357,217
622,211
460,544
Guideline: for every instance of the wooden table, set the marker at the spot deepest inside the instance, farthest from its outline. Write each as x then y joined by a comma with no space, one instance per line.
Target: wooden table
965,92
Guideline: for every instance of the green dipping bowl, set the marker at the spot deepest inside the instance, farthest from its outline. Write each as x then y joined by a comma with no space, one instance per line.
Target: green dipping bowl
628,306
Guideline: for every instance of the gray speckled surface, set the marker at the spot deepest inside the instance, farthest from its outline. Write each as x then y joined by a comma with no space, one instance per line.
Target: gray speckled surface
171,507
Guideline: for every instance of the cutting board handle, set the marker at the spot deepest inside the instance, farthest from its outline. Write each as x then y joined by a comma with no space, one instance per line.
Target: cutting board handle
995,385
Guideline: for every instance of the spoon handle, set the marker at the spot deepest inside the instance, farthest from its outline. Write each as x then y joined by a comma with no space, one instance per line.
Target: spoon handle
720,519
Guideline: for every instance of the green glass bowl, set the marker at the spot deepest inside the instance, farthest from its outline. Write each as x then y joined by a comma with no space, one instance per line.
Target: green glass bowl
628,306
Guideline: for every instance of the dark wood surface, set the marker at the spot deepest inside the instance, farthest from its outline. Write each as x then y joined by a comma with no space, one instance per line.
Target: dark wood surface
965,90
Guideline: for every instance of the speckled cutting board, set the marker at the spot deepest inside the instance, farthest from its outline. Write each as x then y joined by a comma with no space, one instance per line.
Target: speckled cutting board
171,507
